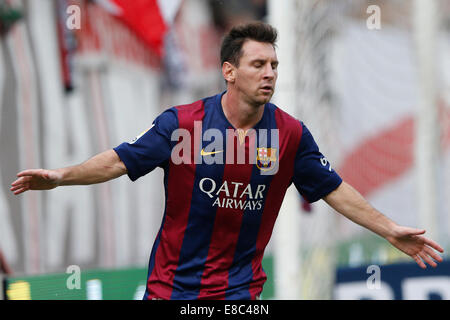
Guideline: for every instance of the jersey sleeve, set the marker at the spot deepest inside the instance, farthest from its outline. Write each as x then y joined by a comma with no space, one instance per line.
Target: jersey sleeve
150,149
313,177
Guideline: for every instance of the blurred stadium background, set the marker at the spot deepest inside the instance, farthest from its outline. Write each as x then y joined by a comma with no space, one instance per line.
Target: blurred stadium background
376,98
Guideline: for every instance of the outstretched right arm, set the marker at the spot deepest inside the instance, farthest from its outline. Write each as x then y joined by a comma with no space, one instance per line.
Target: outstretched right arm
100,168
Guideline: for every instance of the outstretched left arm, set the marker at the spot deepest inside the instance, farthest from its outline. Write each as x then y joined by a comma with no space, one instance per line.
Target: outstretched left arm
350,203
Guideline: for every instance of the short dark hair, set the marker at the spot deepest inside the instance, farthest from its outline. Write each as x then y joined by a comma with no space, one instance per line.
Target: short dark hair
231,49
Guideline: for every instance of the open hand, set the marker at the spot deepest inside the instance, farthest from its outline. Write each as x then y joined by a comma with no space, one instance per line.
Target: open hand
420,248
35,179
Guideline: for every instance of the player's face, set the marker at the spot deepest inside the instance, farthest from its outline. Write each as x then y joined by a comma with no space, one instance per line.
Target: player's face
257,73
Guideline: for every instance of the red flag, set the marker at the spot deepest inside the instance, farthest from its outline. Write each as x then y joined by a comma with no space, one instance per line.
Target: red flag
149,19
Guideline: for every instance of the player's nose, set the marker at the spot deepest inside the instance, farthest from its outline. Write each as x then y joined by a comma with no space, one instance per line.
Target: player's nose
269,72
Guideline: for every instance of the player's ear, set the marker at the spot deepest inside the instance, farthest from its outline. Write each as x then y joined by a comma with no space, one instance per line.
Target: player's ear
228,71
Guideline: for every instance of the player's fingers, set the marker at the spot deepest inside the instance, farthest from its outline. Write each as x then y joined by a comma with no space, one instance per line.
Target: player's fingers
20,186
30,172
433,245
427,259
410,232
419,261
16,183
414,231
21,180
24,182
433,254
21,190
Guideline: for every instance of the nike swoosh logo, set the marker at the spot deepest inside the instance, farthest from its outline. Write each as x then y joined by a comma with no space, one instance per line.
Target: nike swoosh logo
204,153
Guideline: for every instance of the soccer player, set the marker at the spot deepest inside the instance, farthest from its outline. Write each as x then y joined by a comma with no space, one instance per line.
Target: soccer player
222,197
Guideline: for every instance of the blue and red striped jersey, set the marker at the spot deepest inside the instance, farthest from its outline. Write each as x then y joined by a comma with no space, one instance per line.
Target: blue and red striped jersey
220,209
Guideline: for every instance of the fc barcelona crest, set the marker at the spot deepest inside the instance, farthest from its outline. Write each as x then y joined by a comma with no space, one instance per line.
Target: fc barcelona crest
266,158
